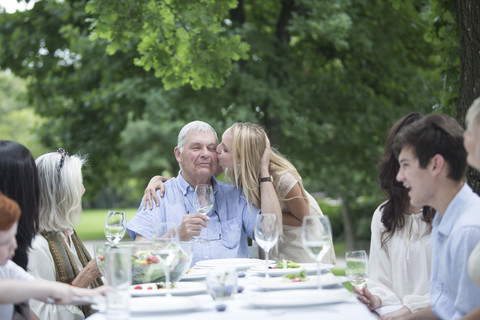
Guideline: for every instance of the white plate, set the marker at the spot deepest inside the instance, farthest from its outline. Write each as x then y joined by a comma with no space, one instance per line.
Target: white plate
326,280
181,288
163,304
311,268
238,263
298,298
195,274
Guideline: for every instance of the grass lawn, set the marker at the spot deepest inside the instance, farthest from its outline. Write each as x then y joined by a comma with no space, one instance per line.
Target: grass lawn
92,222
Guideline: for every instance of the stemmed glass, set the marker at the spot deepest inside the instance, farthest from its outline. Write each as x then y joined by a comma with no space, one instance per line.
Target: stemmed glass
317,238
115,226
203,201
166,244
100,251
266,234
356,269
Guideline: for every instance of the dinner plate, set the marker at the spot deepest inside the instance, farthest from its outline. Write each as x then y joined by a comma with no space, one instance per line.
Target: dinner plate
180,289
277,283
297,298
163,304
238,263
310,268
194,274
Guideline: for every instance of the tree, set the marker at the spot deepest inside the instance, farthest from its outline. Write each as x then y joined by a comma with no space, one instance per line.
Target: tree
326,78
467,13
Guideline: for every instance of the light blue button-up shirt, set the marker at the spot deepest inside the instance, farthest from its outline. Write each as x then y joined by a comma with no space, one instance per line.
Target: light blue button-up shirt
226,233
454,236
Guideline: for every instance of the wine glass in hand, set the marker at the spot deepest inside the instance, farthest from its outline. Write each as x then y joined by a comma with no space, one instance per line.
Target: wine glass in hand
266,234
356,269
115,226
317,238
166,245
204,198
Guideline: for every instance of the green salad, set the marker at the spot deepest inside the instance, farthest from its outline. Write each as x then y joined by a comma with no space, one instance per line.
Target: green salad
147,266
286,264
297,277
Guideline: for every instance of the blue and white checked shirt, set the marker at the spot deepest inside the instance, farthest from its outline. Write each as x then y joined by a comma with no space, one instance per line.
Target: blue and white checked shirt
237,219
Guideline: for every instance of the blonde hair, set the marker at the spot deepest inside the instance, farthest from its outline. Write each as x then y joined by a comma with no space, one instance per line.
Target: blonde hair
60,190
248,147
473,116
472,123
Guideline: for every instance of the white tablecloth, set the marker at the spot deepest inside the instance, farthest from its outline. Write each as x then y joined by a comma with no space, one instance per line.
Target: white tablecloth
240,309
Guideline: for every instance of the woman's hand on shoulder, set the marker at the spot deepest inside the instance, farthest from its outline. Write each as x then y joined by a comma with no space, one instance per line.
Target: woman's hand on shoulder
150,192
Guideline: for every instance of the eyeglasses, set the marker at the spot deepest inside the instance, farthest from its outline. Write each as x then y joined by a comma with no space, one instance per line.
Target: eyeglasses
62,160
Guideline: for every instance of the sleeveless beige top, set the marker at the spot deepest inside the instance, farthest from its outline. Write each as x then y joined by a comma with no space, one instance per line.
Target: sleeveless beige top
290,245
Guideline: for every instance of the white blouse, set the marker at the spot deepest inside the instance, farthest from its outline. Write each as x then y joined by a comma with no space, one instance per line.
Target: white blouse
399,272
290,246
42,266
11,271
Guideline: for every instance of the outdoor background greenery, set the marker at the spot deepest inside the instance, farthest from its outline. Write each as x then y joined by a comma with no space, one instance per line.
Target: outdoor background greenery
117,79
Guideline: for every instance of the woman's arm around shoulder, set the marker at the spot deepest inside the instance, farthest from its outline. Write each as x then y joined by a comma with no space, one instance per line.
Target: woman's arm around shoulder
151,191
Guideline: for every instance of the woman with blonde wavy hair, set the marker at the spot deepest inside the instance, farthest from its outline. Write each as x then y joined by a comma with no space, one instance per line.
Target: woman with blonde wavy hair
239,154
57,252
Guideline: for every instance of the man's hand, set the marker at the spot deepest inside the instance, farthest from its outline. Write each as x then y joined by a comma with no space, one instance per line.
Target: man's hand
150,192
371,301
192,225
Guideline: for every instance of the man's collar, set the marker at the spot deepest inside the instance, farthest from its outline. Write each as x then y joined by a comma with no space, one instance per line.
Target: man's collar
184,185
452,214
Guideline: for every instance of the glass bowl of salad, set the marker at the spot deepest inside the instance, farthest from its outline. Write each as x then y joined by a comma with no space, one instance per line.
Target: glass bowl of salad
147,266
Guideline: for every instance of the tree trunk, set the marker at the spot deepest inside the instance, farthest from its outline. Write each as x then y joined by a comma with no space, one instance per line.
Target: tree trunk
467,12
348,226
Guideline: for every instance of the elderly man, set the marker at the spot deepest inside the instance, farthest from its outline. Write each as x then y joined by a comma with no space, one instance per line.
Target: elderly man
432,162
223,231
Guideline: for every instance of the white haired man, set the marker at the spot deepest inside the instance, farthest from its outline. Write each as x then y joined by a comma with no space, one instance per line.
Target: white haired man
226,227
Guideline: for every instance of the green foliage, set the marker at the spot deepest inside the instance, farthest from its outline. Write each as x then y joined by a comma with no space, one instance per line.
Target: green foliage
184,42
326,78
92,222
18,122
443,34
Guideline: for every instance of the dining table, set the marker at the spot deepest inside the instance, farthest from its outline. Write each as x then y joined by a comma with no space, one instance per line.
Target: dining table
258,298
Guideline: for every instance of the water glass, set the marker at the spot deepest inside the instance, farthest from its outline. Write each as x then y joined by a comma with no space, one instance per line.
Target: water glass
356,268
119,277
317,239
166,243
100,251
266,234
115,226
222,283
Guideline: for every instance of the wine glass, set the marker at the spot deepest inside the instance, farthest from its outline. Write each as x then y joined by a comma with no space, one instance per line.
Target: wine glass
203,201
166,244
100,252
317,238
356,269
266,234
115,226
